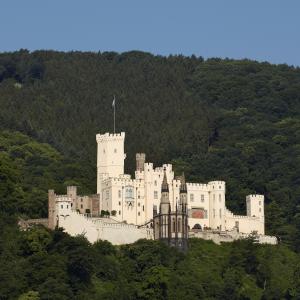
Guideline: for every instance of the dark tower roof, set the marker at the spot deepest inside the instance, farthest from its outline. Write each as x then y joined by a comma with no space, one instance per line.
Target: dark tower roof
183,188
164,185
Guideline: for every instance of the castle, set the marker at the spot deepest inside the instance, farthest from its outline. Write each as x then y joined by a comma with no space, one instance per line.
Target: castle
132,203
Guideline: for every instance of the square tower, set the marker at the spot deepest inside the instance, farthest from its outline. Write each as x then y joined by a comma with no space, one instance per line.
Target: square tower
255,206
110,156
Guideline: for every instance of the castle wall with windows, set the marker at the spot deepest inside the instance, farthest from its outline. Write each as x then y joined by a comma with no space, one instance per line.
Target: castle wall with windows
132,200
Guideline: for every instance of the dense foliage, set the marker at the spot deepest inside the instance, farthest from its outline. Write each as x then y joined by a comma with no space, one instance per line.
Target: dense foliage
237,121
39,264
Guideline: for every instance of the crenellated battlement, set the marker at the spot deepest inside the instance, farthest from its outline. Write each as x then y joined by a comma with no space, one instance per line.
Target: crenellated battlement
110,137
62,198
200,186
232,215
255,196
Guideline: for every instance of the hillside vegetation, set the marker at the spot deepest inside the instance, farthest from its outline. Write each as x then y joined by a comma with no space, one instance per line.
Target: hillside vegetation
237,121
40,264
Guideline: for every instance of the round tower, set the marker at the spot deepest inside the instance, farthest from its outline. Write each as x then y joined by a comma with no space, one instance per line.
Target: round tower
217,204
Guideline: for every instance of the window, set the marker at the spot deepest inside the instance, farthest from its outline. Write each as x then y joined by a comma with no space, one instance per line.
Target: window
259,209
214,213
139,204
220,213
220,197
155,182
219,187
119,193
179,225
61,206
129,192
119,203
81,206
119,212
67,206
139,213
107,194
143,208
259,202
202,198
155,194
103,151
81,199
139,195
214,197
192,197
115,150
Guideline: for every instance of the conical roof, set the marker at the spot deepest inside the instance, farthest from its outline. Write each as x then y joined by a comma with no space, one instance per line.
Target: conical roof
164,185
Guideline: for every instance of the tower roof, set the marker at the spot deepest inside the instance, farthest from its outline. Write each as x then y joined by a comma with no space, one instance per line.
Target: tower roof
183,188
164,185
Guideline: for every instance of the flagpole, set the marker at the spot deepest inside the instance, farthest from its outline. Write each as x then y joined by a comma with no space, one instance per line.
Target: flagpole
114,114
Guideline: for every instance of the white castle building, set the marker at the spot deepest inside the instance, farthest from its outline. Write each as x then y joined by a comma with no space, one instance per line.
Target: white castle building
131,201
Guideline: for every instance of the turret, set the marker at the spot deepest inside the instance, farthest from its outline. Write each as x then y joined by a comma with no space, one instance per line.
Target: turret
217,204
72,193
183,194
255,206
165,201
140,161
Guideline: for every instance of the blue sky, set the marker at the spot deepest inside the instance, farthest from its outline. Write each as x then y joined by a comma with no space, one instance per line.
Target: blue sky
265,30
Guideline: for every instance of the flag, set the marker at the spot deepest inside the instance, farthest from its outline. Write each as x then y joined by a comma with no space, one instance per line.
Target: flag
114,102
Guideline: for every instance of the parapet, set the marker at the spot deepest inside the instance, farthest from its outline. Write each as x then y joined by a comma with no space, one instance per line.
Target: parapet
196,186
62,198
257,197
110,137
217,185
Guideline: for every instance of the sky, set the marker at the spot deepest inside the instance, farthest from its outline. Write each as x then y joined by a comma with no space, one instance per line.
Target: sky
263,30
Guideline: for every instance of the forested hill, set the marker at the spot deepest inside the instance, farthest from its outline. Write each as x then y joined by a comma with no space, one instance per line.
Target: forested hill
237,121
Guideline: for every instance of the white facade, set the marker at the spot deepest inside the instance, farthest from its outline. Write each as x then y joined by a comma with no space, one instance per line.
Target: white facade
94,229
132,200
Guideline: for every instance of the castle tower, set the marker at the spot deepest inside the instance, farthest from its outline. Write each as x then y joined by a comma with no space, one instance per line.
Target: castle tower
255,208
110,156
217,204
165,201
62,208
140,161
72,194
